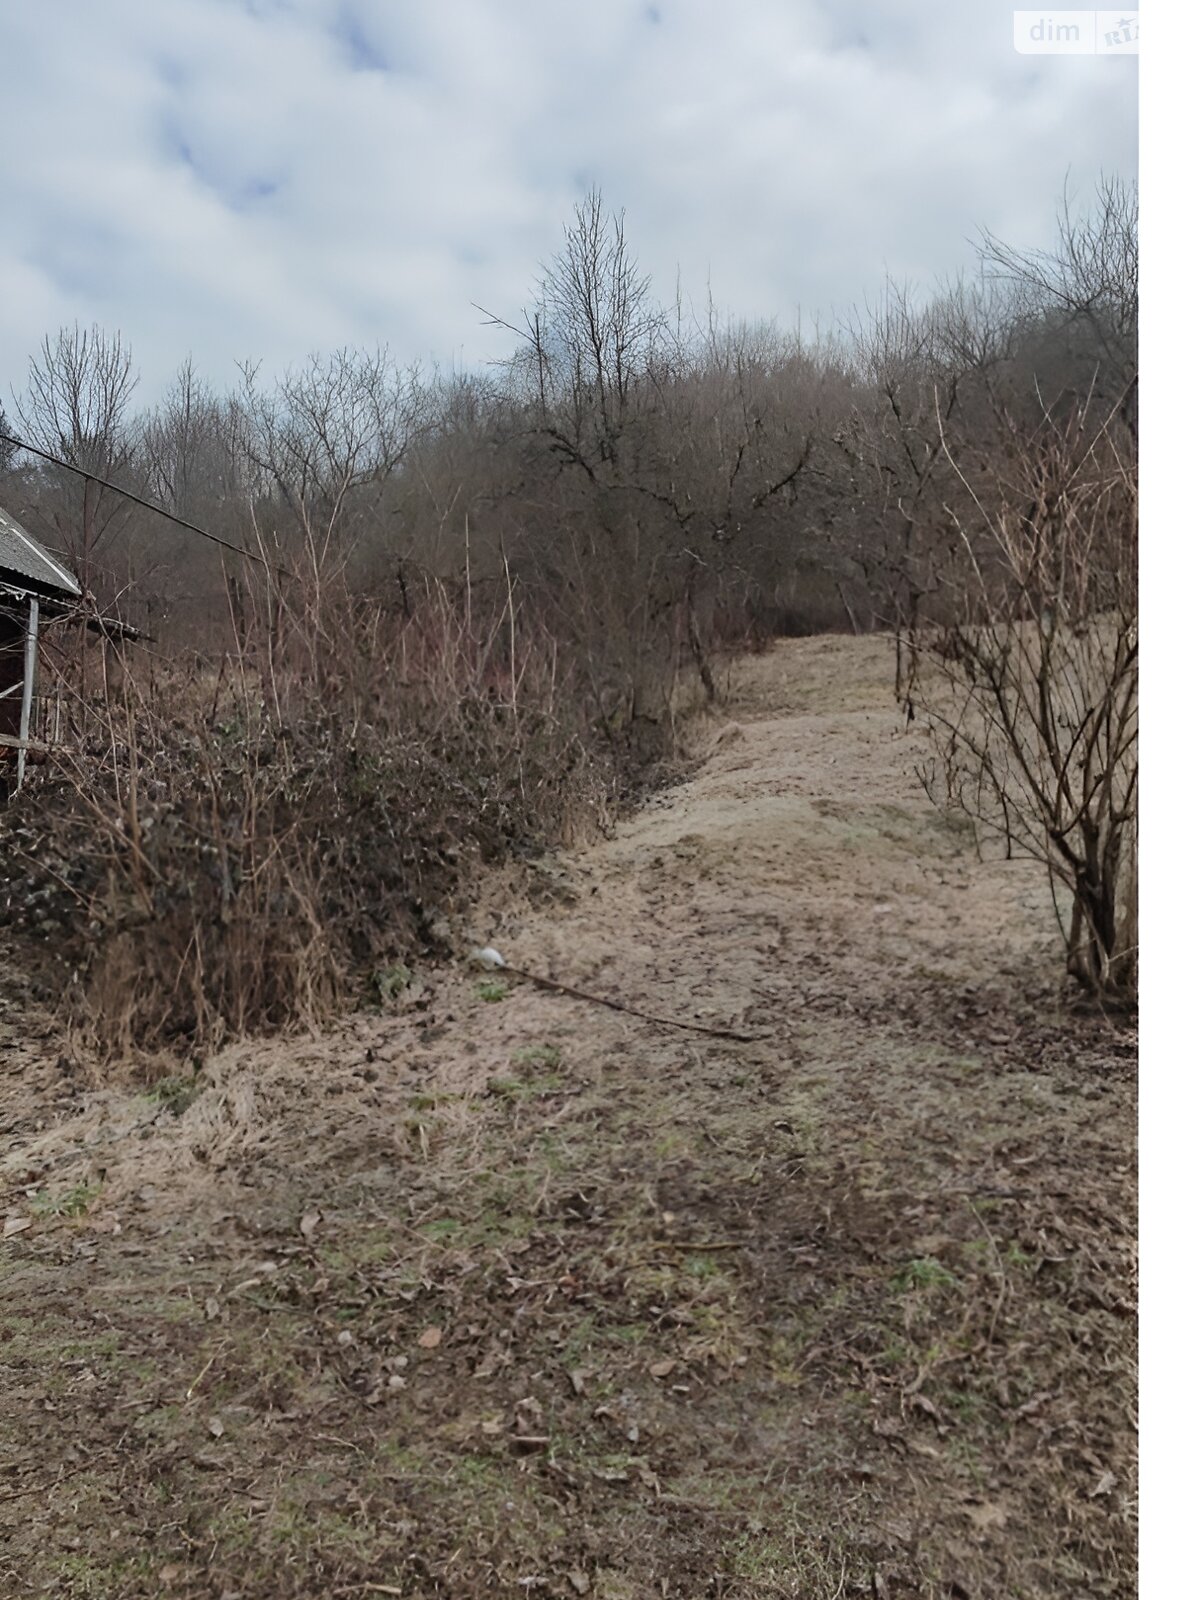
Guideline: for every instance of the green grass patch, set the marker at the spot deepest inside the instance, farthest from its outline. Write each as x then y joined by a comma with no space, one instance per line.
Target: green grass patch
441,1229
924,1273
176,1094
71,1202
703,1267
547,1056
391,980
525,1088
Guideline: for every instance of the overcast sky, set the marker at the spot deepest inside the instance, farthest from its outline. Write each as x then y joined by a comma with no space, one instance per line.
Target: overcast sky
262,178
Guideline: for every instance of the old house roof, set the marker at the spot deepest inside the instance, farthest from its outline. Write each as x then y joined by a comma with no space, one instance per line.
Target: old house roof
25,564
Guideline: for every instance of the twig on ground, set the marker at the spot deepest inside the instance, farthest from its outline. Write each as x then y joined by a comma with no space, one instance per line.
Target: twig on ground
492,958
553,987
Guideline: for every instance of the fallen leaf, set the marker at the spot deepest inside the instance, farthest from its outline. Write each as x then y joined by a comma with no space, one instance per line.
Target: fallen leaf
430,1339
16,1225
212,1308
216,1427
931,1244
1105,1484
987,1515
579,1581
662,1369
308,1223
578,1379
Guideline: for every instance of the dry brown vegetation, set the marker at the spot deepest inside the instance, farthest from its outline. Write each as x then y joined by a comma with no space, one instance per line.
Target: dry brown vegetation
472,610
1032,692
248,848
486,1292
332,1266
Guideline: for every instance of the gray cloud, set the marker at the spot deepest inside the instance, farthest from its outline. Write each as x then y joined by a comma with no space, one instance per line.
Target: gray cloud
265,177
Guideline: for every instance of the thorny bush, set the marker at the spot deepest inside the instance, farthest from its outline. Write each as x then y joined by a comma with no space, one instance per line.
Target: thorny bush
234,846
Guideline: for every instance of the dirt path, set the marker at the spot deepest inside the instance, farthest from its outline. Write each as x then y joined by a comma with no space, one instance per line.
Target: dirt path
514,1295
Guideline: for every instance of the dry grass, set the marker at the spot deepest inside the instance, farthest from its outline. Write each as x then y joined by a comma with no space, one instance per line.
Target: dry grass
842,1312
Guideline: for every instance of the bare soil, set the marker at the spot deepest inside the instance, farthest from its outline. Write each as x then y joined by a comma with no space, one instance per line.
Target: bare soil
494,1292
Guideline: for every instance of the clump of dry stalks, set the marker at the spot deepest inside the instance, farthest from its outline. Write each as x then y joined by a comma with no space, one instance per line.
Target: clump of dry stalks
234,844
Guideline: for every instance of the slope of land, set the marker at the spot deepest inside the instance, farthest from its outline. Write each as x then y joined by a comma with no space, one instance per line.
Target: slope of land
495,1292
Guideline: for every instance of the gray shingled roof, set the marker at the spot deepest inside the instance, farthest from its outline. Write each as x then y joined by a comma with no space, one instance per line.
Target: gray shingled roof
23,557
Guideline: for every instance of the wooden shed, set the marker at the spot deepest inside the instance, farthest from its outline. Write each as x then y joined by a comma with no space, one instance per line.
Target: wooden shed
33,584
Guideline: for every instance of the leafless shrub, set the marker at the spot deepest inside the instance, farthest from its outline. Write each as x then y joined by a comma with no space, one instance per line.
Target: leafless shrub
236,849
1031,691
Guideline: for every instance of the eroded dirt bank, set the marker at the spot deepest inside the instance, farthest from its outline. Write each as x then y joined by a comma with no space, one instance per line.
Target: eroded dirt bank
517,1295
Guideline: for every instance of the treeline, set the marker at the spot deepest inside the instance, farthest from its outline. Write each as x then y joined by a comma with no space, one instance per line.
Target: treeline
653,481
514,580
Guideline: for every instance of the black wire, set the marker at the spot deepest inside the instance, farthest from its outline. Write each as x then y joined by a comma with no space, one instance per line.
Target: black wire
149,504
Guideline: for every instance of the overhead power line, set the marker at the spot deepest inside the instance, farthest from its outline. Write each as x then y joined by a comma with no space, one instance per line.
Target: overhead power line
107,483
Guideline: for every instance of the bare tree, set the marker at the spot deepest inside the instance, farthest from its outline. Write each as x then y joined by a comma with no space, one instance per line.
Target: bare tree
8,451
187,460
591,337
1085,289
75,407
677,452
327,432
